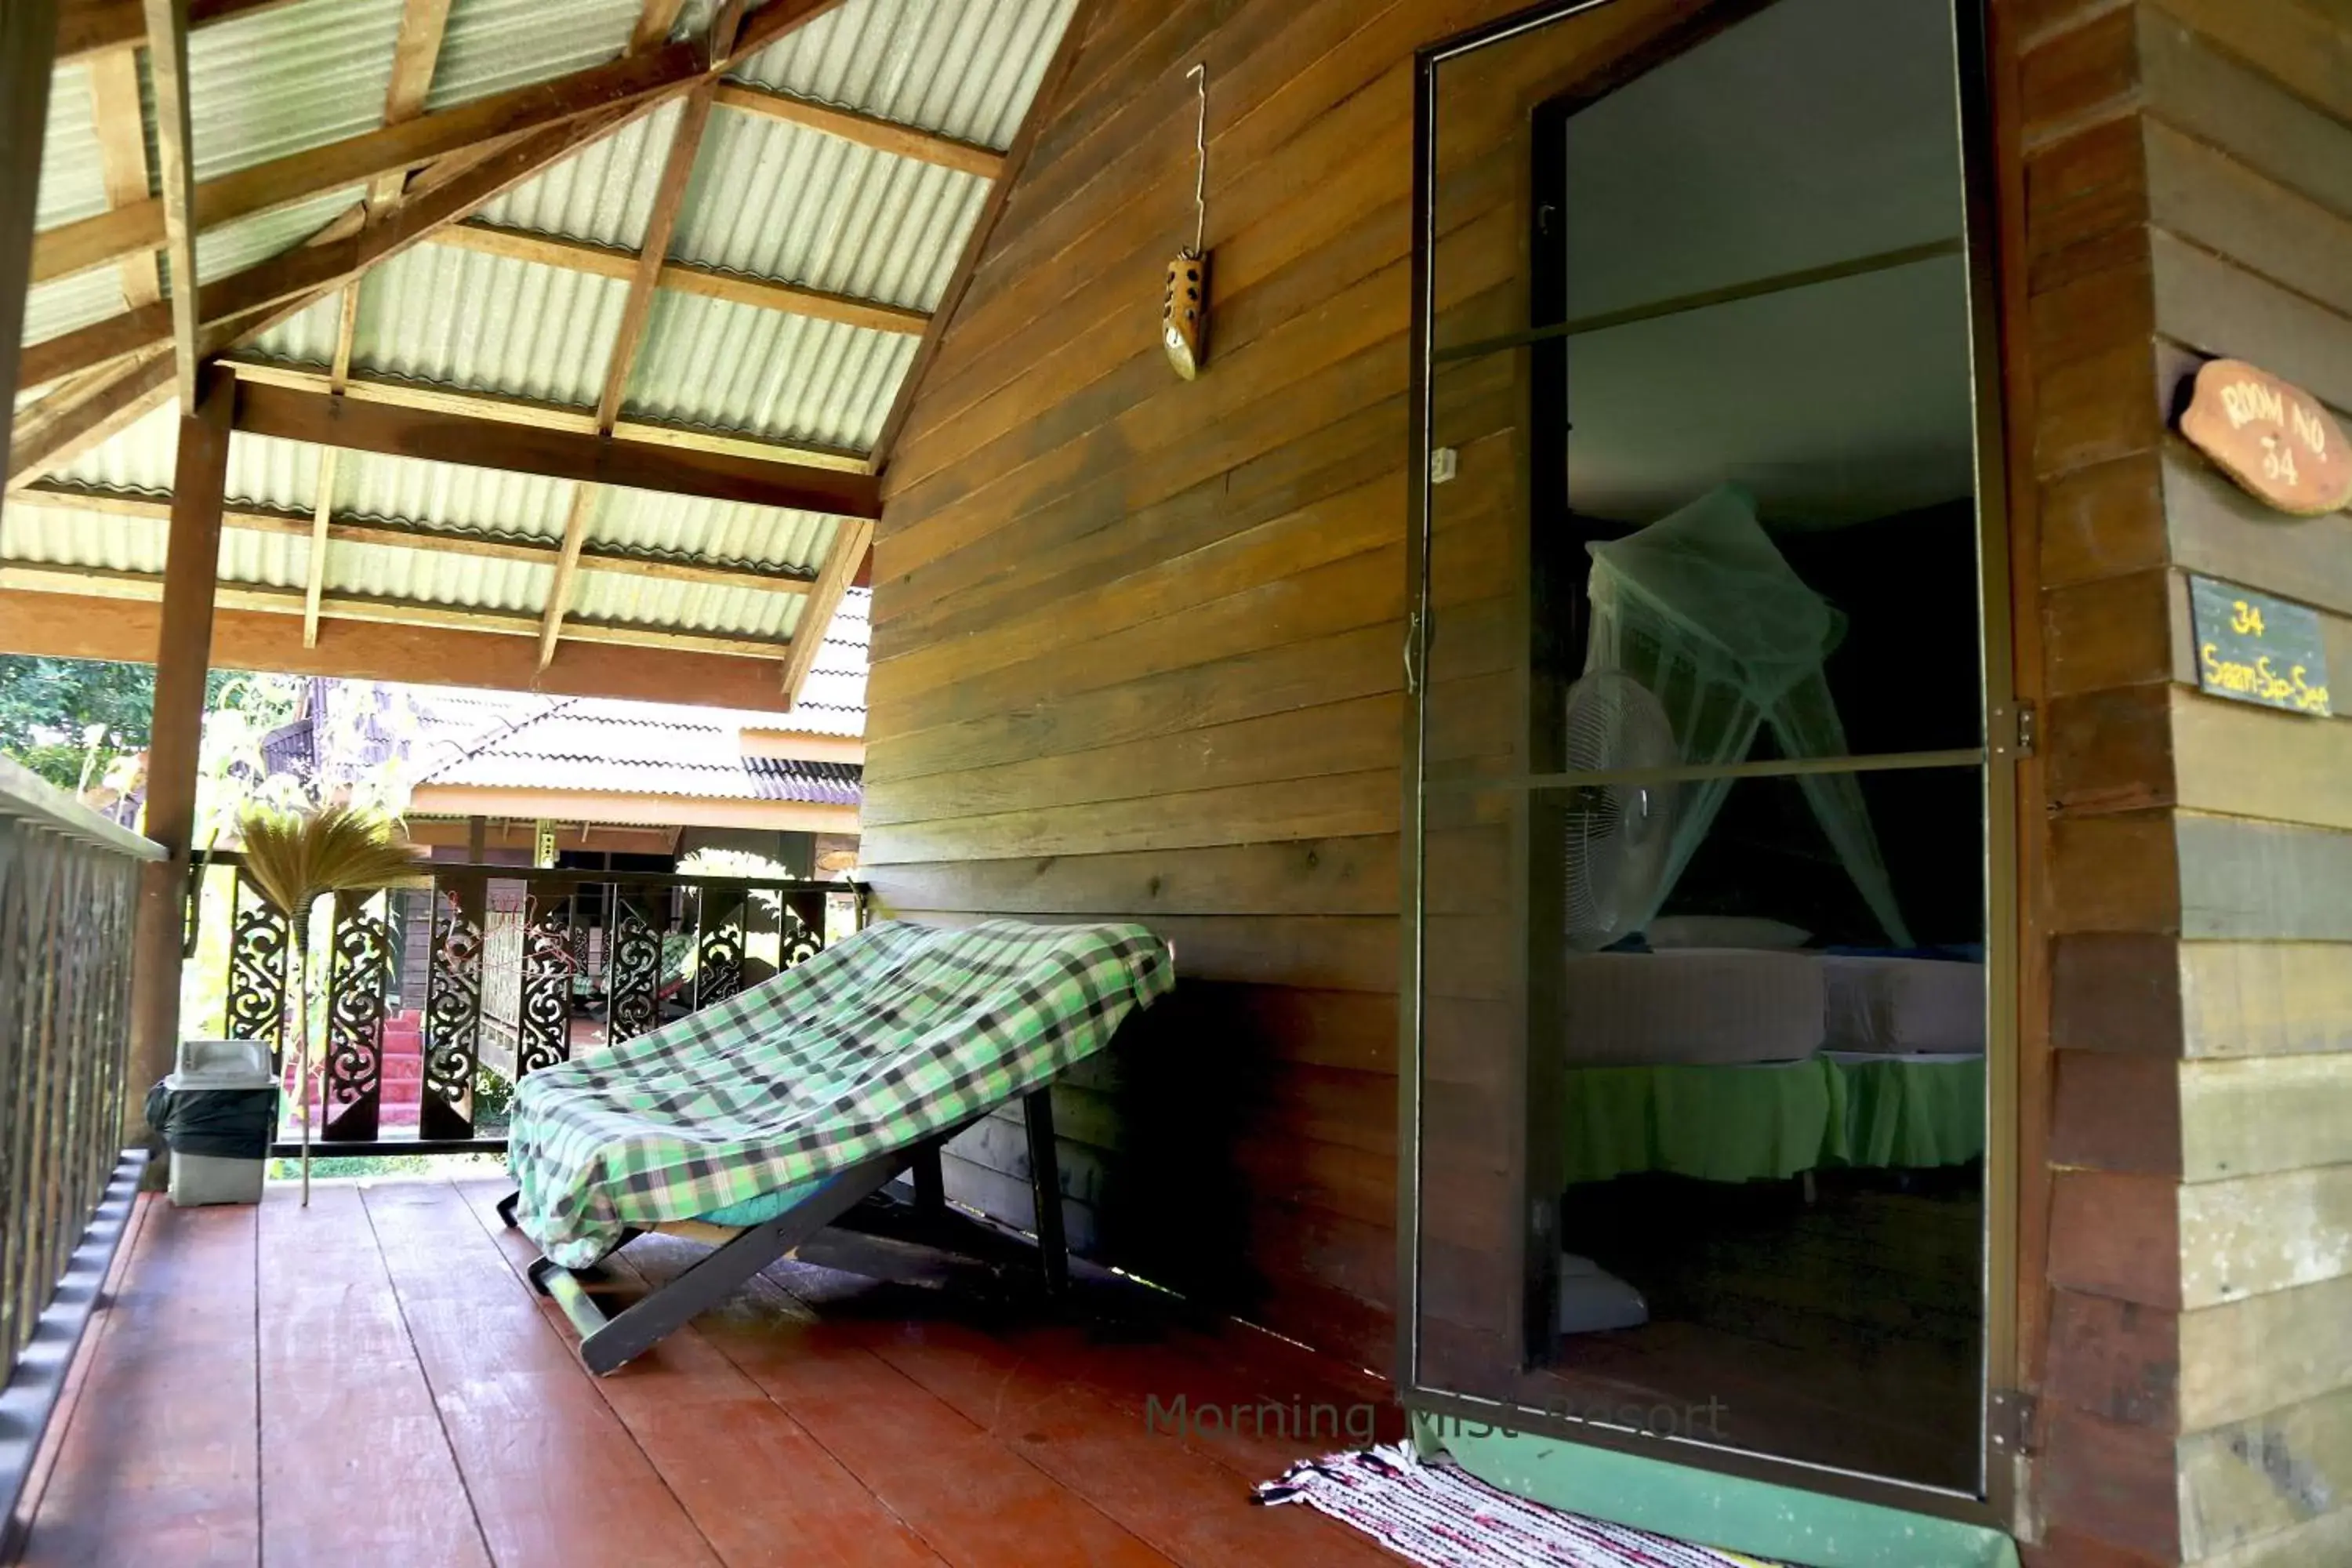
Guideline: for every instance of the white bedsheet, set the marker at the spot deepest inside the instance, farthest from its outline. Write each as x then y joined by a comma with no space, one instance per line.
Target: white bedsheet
1692,1006
1908,1005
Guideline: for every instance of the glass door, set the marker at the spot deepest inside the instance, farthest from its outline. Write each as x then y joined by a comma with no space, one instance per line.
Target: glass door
1706,959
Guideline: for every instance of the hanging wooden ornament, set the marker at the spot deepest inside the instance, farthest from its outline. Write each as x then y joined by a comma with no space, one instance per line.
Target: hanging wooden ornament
1185,309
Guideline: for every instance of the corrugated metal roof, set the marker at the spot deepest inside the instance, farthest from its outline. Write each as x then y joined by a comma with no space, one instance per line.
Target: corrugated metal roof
72,301
490,323
289,78
726,366
967,70
436,578
838,216
233,247
769,199
491,46
718,608
713,529
603,194
73,178
306,337
55,536
443,495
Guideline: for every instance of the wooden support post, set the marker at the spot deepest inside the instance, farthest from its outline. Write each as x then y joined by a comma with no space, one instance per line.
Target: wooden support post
190,568
29,39
167,69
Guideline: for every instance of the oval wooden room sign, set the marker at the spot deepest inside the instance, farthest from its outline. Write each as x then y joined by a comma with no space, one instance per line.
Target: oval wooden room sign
2276,439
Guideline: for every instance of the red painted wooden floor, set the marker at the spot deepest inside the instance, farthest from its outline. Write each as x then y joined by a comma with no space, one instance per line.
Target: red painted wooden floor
371,1381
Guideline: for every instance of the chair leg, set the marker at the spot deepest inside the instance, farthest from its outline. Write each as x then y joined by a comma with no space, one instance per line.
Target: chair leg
507,1207
931,1181
1046,1190
606,1343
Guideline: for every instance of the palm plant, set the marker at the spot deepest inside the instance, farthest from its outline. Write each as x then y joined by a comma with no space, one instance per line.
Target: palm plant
295,858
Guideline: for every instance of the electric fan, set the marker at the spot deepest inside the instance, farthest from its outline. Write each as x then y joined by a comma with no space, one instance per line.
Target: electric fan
1619,835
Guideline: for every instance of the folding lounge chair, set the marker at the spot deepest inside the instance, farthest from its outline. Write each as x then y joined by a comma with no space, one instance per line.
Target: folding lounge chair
759,1121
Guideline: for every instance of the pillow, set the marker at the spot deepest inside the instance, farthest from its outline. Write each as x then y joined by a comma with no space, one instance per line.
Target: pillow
1724,930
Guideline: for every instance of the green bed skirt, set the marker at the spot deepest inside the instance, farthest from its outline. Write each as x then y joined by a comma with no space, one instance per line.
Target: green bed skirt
1772,1120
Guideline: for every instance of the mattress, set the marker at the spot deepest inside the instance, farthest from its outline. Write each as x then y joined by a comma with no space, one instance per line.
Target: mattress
1909,1005
1693,1006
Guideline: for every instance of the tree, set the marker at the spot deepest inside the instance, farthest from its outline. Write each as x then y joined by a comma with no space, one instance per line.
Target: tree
69,719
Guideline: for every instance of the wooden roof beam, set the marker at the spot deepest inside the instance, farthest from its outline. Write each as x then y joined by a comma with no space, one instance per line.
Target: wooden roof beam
70,247
889,136
364,388
121,123
96,26
416,54
661,222
302,276
82,626
176,215
851,541
104,583
266,410
352,530
686,277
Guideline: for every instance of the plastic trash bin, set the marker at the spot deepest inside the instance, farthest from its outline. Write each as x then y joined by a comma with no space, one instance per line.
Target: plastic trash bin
217,1113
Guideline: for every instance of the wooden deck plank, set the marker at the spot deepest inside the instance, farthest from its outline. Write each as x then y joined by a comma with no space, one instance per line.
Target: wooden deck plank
1182,1502
103,1314
762,1491
975,1502
554,1477
161,1463
354,1464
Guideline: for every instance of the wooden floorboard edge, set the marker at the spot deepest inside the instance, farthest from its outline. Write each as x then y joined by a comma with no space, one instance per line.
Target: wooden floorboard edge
15,1530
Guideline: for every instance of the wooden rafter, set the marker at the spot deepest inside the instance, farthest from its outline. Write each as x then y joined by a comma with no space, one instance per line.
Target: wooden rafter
86,625
167,70
661,222
246,303
122,159
685,277
345,248
446,542
293,415
851,540
96,582
280,182
27,35
363,388
653,23
866,129
96,26
416,52
976,244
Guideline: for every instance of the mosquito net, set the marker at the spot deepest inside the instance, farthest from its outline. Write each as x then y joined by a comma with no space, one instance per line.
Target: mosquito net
1703,609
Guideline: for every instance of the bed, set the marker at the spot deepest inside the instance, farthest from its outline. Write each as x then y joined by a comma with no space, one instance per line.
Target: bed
1733,1065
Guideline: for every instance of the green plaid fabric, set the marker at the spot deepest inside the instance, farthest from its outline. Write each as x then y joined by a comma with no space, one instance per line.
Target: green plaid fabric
878,1042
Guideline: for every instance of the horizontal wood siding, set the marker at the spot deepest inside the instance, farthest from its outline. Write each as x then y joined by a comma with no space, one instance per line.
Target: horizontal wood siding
1138,641
2196,201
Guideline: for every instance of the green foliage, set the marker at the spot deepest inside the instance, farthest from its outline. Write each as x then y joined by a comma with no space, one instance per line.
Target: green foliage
69,720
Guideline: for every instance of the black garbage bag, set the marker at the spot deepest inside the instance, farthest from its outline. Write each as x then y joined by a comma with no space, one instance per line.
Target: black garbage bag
229,1123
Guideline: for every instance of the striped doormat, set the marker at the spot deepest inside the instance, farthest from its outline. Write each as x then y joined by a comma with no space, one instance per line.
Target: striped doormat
1439,1514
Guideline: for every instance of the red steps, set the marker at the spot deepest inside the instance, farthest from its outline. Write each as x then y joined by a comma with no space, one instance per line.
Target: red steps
401,1066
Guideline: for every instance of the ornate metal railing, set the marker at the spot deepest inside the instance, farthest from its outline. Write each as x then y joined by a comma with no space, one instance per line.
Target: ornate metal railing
441,994
68,896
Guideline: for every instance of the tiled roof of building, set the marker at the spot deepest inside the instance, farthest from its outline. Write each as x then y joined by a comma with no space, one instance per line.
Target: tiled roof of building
639,747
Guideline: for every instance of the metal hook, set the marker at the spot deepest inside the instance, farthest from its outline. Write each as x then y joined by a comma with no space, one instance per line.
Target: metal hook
1199,76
